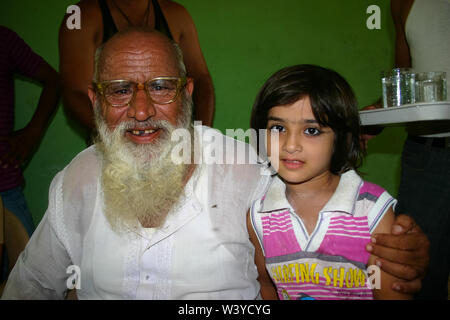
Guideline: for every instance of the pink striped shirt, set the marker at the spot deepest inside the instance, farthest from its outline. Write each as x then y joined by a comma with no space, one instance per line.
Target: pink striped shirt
330,263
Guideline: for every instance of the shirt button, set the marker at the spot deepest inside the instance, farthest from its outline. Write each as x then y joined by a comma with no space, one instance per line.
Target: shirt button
147,277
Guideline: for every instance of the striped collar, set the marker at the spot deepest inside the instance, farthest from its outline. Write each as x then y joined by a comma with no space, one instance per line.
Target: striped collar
342,200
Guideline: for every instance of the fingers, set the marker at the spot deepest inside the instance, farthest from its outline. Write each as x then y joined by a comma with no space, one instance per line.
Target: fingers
8,161
406,235
371,107
408,250
18,151
403,224
13,158
392,254
410,241
400,271
407,287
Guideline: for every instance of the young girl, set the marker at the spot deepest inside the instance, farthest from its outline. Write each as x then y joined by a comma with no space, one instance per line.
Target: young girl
311,228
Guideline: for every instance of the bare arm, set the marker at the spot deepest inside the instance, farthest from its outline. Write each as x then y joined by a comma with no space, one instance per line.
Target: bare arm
400,10
268,291
403,252
387,280
23,142
76,53
196,66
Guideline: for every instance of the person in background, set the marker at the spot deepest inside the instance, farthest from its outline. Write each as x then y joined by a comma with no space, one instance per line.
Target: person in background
17,147
422,42
100,19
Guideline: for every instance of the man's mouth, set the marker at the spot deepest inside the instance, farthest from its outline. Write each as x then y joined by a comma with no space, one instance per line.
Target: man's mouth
142,132
143,136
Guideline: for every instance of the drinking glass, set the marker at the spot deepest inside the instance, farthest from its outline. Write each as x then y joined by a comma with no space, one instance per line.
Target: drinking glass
431,86
398,87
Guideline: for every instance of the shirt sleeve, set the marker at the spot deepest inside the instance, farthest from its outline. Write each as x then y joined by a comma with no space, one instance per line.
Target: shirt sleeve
21,58
381,206
40,270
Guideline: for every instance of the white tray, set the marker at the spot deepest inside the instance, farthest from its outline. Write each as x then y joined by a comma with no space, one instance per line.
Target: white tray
426,111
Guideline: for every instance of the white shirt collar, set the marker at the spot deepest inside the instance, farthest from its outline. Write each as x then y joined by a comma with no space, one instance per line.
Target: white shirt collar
343,199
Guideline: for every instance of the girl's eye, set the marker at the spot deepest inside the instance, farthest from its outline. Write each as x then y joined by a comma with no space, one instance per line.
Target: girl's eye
312,131
277,128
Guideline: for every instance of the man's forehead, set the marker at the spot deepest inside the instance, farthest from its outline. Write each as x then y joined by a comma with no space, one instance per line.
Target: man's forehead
138,54
137,39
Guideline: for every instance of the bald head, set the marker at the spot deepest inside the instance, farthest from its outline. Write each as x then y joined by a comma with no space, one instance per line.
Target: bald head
135,44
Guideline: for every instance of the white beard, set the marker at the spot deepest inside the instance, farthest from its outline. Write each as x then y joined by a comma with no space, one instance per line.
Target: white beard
141,184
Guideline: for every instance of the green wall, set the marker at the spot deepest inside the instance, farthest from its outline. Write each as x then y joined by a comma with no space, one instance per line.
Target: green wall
244,42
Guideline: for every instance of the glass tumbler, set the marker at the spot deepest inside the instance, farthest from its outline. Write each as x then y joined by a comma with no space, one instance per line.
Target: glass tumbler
431,86
398,87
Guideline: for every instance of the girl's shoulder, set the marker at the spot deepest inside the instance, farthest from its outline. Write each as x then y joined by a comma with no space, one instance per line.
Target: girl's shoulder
370,190
373,201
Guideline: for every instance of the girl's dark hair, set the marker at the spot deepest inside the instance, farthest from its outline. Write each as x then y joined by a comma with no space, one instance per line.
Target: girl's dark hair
333,104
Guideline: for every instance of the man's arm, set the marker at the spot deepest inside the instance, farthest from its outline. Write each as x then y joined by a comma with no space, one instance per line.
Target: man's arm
41,269
76,66
39,273
403,253
203,96
399,11
23,142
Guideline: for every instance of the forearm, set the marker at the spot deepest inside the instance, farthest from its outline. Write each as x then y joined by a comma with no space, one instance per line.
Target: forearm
48,103
22,285
268,291
383,285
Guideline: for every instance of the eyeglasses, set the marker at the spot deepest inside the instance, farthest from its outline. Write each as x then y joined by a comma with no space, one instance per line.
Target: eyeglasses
161,90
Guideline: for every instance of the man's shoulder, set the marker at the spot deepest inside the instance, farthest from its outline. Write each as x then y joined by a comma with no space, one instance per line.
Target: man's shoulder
229,149
88,155
83,168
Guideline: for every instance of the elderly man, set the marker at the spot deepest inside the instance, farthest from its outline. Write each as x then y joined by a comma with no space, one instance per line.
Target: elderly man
125,221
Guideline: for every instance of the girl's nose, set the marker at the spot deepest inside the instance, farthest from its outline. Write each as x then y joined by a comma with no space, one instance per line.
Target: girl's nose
292,143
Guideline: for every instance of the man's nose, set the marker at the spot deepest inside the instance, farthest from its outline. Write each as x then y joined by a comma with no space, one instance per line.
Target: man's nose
142,108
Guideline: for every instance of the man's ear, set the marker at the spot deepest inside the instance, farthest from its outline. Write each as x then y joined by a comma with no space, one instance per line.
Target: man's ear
92,95
189,86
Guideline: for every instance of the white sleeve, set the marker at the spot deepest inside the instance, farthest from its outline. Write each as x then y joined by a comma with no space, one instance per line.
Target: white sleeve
40,270
381,206
256,222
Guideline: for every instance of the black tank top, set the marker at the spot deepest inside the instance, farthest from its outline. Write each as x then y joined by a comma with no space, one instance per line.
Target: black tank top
109,27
